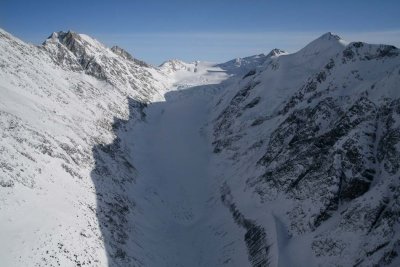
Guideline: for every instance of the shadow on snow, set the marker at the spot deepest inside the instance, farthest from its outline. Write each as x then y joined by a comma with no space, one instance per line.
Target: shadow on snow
114,177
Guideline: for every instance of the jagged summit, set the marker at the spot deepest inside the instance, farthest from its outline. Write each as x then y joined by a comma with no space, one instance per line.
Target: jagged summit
330,36
276,52
73,40
62,35
76,42
80,52
84,46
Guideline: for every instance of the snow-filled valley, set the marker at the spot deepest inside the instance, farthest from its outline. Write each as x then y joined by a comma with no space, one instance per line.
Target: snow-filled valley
175,183
276,159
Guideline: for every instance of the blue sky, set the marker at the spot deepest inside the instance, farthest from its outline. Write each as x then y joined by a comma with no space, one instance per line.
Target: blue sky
216,30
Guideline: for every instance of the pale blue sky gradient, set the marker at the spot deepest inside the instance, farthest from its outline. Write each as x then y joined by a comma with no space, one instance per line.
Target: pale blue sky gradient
216,30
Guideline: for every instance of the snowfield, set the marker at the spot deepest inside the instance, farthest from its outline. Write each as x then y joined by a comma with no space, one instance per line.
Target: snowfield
276,159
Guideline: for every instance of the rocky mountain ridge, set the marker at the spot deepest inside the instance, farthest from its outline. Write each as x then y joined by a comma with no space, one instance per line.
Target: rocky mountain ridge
318,160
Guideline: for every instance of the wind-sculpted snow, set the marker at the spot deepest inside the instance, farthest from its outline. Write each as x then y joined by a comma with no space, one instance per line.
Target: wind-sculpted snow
270,160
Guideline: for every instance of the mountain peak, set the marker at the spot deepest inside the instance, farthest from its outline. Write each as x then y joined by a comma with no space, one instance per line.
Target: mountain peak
328,44
73,40
62,36
329,36
327,39
276,52
174,65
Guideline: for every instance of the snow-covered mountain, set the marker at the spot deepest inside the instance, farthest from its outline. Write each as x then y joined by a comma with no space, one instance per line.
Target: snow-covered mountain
313,142
59,101
240,66
79,52
270,160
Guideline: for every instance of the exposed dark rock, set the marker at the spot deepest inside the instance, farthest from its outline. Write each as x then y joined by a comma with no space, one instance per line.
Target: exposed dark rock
250,73
255,236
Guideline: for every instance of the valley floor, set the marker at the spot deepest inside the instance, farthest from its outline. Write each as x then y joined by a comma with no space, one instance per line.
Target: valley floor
179,201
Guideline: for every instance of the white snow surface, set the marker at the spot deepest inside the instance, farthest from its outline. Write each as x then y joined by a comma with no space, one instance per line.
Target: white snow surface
177,188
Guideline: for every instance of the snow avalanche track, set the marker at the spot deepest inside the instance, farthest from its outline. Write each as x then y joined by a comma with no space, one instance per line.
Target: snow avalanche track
178,217
172,151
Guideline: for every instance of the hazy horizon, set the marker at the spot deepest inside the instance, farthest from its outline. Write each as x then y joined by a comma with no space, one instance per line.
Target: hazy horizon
156,31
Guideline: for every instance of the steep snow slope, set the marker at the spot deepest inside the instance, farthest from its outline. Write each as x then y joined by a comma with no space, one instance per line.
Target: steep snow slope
313,149
52,115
